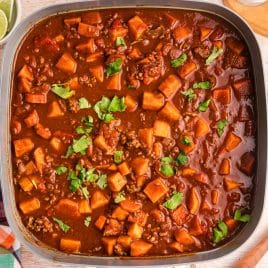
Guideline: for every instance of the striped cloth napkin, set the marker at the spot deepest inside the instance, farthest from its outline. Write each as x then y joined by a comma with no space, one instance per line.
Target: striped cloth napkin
9,245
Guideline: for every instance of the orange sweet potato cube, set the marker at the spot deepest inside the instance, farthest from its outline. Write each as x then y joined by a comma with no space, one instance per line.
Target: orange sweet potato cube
139,248
67,207
94,56
24,85
39,158
72,21
73,83
36,98
120,214
97,72
56,144
88,30
30,168
170,85
100,222
135,231
109,244
183,237
42,131
92,17
124,241
116,181
141,179
222,95
158,150
137,27
231,223
124,168
146,136
188,172
189,147
224,167
187,68
114,82
215,196
135,54
101,143
30,205
196,227
181,33
140,218
88,47
54,110
180,214
193,201
84,207
32,119
25,73
201,127
26,184
204,33
230,184
152,101
176,246
162,129
231,141
67,64
155,190
23,146
170,112
70,245
130,205
98,199
140,165
131,103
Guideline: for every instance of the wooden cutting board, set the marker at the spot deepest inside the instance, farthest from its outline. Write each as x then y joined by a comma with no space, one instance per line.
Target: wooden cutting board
256,16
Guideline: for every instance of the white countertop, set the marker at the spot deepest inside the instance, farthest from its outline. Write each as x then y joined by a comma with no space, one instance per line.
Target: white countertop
30,261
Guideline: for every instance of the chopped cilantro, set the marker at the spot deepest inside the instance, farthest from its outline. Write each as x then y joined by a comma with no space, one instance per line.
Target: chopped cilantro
189,94
167,170
60,170
239,217
182,159
85,192
62,90
223,228
81,130
88,122
118,156
120,42
174,201
102,181
83,103
219,232
119,197
79,146
64,227
114,67
221,125
167,159
179,61
214,54
117,105
186,141
202,85
202,107
87,221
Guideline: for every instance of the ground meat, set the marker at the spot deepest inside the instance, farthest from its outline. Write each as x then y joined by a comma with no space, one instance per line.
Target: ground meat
203,52
113,227
41,224
130,139
72,105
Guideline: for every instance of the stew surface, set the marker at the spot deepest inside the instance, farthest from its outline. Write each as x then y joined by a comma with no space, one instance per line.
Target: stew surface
133,132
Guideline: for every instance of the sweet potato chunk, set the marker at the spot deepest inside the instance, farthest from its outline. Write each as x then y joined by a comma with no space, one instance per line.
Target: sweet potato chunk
201,127
158,149
139,248
72,21
29,205
26,184
116,181
131,103
242,88
88,30
94,56
113,227
32,119
39,158
204,33
225,167
140,180
170,112
222,95
42,131
146,136
56,144
70,245
54,110
247,163
135,54
187,68
120,214
189,147
196,227
84,207
114,82
30,168
40,98
176,246
231,223
231,141
124,241
23,146
67,64
68,208
181,33
92,17
193,201
188,172
88,47
137,27
130,205
100,222
25,85
152,101
109,244
117,30
140,165
135,231
139,217
183,237
124,169
215,197
230,184
97,72
155,190
98,199
162,129
180,214
73,83
170,85
25,73
101,143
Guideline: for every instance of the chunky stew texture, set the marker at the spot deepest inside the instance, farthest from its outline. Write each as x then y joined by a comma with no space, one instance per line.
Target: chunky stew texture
133,132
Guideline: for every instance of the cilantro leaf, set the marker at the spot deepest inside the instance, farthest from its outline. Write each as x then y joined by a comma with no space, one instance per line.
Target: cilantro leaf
219,232
202,107
87,221
167,170
79,146
108,118
239,217
119,197
81,130
102,181
120,42
167,159
214,54
221,125
118,156
85,192
202,85
83,103
114,67
87,120
223,228
62,91
64,227
174,201
117,105
186,141
182,158
189,94
75,185
179,61
60,170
